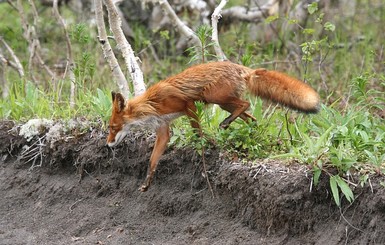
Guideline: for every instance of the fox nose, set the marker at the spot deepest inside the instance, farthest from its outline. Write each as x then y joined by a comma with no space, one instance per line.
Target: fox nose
110,142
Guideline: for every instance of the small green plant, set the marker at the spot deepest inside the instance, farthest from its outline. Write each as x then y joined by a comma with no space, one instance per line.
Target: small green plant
37,103
246,140
187,136
202,53
320,45
102,105
85,66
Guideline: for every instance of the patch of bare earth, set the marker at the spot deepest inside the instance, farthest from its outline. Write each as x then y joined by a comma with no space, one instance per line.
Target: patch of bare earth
85,193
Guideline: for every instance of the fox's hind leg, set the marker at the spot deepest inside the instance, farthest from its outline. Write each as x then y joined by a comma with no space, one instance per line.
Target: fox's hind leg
244,116
237,108
227,96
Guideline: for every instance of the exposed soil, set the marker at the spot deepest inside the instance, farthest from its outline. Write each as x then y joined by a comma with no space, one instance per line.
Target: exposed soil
85,193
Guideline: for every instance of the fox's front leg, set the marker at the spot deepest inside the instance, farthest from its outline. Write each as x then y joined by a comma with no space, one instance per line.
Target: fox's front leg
162,138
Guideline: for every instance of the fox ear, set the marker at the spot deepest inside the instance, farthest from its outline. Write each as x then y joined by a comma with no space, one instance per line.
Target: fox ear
118,101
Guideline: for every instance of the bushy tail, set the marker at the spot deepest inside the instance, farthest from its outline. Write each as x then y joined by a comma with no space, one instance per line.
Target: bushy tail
283,89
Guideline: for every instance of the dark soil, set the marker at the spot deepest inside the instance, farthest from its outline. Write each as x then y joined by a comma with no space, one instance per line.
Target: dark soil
85,193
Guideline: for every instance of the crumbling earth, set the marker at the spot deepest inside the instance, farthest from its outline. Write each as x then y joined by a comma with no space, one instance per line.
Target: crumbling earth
81,192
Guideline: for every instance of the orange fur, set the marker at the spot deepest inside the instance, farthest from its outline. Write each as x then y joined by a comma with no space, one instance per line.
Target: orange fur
222,83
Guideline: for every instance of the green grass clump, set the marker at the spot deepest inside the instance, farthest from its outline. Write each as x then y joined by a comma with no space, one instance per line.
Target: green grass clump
347,144
22,105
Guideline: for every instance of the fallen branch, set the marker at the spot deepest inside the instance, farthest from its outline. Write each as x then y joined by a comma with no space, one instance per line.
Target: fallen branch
255,14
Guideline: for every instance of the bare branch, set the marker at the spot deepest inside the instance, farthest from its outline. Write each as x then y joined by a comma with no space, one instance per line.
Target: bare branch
70,62
128,32
36,43
183,29
17,65
214,23
34,12
109,55
11,4
8,62
29,34
127,52
252,14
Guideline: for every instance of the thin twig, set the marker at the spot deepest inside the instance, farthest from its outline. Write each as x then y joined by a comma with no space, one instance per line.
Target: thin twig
76,202
70,63
206,173
287,126
343,217
183,29
265,15
29,34
17,64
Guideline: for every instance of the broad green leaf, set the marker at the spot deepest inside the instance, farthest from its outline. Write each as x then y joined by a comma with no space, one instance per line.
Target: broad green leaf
334,188
308,31
329,27
317,174
312,8
271,18
320,18
382,183
165,34
324,138
345,189
364,179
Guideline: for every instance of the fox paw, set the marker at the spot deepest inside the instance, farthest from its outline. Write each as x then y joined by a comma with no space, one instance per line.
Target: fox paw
143,188
224,125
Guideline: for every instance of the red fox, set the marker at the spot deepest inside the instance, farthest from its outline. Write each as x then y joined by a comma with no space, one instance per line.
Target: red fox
222,83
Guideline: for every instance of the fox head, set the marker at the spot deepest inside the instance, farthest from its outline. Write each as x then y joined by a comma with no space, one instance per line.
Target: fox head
117,130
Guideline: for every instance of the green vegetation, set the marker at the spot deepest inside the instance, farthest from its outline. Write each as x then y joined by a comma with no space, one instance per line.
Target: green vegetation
342,57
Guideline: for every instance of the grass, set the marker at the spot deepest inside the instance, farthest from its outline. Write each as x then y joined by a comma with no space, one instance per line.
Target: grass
345,141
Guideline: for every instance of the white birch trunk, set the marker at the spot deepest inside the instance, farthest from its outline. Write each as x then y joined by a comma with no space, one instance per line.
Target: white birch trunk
109,55
214,23
128,54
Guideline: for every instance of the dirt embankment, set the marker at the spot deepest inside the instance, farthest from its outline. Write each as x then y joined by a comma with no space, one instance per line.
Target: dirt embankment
84,193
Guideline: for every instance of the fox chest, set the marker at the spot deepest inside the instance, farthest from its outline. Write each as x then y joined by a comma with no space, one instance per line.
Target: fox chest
153,121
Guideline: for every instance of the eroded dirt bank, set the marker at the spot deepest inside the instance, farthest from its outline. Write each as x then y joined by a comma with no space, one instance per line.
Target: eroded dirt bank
267,203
